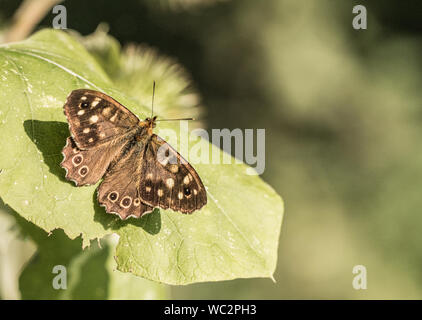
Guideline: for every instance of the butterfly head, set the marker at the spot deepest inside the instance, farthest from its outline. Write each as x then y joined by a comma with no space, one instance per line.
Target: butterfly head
149,123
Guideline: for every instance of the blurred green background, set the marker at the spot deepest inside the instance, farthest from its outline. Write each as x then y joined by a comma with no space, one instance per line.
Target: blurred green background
343,119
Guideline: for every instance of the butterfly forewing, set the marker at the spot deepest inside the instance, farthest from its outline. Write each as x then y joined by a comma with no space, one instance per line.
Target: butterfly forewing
95,118
168,180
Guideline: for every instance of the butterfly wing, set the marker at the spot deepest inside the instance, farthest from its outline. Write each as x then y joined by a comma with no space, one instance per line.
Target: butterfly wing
85,167
95,118
168,180
119,191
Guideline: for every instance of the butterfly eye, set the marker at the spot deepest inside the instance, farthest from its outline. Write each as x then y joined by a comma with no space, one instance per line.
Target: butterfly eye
126,202
113,196
77,160
83,171
187,192
84,105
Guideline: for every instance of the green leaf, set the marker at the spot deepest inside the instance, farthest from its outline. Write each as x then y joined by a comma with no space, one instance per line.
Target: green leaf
90,273
234,236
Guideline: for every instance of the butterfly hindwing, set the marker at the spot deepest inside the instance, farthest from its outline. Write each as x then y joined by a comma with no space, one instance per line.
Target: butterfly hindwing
119,192
95,118
168,180
86,167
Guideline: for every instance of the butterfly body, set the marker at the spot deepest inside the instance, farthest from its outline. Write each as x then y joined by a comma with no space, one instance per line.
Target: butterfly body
140,170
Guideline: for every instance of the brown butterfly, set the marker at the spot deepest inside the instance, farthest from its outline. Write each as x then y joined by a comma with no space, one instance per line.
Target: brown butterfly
140,170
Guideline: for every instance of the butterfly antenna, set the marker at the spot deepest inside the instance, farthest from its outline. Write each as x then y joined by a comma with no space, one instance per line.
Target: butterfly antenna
152,103
152,108
175,119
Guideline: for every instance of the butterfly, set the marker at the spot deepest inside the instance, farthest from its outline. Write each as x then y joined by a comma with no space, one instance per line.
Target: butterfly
140,170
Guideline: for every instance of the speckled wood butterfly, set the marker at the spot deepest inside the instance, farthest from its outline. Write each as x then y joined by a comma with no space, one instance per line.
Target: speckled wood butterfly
140,170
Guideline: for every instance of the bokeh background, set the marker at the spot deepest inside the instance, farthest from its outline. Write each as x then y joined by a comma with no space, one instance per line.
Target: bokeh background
343,118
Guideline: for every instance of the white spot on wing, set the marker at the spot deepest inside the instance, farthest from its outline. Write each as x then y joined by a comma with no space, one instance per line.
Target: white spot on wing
93,119
106,111
170,182
186,180
113,117
95,102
